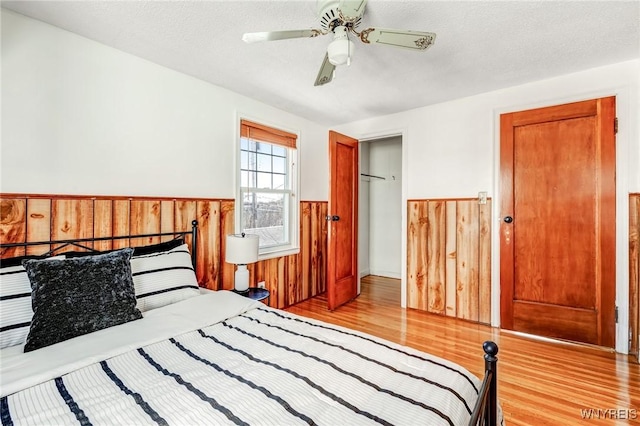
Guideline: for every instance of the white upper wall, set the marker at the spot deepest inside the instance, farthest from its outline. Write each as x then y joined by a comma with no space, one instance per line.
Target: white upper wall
452,146
79,117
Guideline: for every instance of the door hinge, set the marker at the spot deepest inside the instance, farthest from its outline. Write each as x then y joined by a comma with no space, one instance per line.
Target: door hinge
616,314
615,126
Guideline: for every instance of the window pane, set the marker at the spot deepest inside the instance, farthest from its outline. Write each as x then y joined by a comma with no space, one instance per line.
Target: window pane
244,143
263,214
252,145
264,148
278,182
264,180
244,160
264,163
279,164
252,179
252,161
279,150
244,179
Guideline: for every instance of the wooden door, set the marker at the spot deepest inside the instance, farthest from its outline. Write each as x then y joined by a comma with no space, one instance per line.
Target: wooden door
342,254
557,248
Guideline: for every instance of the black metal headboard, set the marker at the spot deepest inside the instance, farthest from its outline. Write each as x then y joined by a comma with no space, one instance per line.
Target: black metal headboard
79,242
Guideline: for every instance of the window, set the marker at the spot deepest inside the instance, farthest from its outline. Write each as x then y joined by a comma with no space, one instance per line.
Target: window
267,205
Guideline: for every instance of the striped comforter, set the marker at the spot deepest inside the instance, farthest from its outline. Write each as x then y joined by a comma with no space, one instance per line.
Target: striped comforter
261,366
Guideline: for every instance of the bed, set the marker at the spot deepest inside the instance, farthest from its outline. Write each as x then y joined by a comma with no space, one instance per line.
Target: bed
172,353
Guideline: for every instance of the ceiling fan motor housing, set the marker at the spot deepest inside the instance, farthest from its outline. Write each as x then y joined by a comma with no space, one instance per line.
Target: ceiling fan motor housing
330,17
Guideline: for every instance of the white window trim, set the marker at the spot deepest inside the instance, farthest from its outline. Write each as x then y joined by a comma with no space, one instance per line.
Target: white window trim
294,203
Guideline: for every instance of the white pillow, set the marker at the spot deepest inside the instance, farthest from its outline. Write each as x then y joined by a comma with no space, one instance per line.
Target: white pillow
163,278
15,305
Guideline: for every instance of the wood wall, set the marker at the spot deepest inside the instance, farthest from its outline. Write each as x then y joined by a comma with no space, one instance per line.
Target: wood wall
634,270
290,279
448,245
449,258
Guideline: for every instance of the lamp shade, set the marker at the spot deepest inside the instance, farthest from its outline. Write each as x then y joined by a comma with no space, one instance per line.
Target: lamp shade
241,249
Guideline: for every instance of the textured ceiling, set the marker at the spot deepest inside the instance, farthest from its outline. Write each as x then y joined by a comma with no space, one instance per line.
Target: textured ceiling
480,46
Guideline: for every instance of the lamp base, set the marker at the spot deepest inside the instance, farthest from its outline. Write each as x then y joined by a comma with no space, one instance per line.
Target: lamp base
241,284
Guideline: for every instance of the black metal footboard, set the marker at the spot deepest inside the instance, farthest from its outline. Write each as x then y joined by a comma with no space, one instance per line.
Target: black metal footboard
485,412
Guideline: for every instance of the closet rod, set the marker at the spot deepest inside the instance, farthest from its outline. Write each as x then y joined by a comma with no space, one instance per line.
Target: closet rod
373,176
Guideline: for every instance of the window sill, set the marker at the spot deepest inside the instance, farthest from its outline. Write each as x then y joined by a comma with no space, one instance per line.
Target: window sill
278,253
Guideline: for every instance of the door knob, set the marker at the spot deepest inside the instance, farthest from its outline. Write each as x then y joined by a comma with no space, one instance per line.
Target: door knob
508,219
333,218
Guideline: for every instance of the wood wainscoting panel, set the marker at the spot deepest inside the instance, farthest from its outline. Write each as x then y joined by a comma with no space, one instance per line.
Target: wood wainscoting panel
13,225
121,219
103,223
71,219
449,258
291,279
634,272
209,259
227,226
144,219
38,225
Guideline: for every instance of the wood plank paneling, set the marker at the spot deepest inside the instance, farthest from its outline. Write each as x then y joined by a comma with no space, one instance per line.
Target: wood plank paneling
208,265
227,226
144,219
167,218
121,219
484,264
185,212
634,271
468,260
305,249
38,224
316,232
72,219
13,225
449,258
45,217
417,224
450,248
103,224
322,265
436,255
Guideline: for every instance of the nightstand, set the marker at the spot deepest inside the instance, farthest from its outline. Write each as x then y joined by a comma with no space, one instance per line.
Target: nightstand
256,293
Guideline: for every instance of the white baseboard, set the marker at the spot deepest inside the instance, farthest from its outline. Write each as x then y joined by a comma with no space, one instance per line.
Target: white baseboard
388,274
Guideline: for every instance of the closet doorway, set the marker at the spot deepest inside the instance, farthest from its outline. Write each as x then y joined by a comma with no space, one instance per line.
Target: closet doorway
380,212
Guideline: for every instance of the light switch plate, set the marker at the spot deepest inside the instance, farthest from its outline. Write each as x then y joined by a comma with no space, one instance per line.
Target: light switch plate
482,197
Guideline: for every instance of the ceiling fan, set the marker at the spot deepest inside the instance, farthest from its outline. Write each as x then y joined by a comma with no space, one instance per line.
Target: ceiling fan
342,18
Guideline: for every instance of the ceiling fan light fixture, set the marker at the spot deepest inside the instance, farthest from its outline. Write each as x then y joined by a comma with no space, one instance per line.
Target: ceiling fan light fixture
340,51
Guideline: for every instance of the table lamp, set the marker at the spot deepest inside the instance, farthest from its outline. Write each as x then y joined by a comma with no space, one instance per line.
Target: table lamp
241,249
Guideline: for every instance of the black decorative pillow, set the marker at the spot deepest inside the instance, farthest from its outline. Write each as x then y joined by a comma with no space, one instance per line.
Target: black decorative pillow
15,301
72,297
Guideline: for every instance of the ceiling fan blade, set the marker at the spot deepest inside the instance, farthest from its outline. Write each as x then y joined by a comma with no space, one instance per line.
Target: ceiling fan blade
325,75
352,9
419,40
280,35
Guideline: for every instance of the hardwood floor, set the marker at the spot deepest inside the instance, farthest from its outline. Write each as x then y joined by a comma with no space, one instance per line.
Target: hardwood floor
539,382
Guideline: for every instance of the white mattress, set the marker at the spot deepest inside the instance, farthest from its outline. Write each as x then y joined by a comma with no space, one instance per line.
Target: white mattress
221,358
